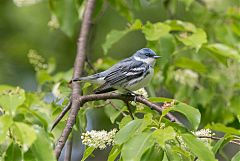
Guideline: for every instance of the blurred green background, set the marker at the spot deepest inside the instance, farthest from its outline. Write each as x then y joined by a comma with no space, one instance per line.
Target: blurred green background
215,90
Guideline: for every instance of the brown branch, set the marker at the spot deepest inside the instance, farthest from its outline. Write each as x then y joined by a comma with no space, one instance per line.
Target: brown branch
140,99
62,114
124,98
78,68
68,152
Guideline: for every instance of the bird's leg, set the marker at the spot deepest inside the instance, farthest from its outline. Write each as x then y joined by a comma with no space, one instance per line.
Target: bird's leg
133,94
129,109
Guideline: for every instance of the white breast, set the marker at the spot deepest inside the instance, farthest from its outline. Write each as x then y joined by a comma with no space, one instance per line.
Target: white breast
142,83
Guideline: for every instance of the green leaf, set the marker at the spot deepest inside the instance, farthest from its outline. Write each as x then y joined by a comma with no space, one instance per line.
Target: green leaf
137,25
236,157
220,143
82,118
112,113
67,15
198,148
38,115
184,62
113,37
163,135
192,114
224,50
160,99
153,32
51,65
136,146
99,8
185,155
171,155
87,152
125,120
11,98
196,40
86,85
187,3
5,123
41,149
43,77
13,153
115,115
24,133
177,25
223,128
123,9
128,131
115,151
155,153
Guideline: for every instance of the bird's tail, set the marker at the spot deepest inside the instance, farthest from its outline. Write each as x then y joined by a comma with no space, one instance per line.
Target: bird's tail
92,78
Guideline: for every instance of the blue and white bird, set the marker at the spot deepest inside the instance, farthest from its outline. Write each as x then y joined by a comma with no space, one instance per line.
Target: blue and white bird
127,75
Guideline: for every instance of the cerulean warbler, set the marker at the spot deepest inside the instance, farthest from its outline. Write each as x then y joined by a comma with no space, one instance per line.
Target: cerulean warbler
127,75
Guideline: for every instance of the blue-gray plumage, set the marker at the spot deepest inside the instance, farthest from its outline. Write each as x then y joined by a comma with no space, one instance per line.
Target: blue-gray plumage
129,74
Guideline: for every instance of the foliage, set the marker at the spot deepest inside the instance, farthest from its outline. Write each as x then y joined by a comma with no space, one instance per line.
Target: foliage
199,75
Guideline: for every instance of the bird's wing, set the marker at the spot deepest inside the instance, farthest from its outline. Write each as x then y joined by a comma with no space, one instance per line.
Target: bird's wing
93,78
123,73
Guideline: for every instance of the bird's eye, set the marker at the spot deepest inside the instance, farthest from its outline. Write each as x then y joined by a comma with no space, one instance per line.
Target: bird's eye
148,54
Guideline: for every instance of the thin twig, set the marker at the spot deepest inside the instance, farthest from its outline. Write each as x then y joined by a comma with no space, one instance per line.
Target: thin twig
237,142
116,108
62,114
68,152
77,72
90,64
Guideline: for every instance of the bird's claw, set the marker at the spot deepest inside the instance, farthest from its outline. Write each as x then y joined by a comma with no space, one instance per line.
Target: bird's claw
135,99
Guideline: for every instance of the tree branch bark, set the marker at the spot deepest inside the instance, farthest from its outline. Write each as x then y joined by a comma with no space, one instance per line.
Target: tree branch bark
68,151
104,96
78,68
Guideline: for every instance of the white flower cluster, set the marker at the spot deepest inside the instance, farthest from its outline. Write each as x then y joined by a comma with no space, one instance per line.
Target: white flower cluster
203,132
53,23
99,139
10,92
22,3
204,135
186,77
143,93
37,60
182,143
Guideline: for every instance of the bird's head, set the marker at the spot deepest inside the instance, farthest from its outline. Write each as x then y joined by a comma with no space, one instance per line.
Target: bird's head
146,55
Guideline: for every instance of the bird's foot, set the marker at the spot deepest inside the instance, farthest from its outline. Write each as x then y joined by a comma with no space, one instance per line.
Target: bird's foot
129,92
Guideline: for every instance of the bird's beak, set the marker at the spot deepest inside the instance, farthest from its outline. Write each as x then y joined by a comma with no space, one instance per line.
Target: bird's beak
156,57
